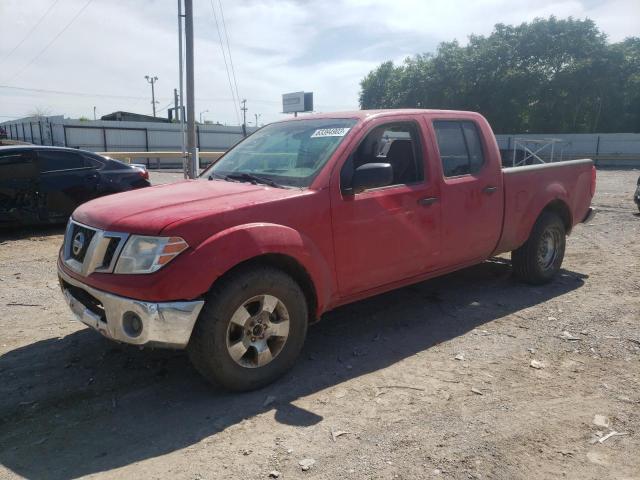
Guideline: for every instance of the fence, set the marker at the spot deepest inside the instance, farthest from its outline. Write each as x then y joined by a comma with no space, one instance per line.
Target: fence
607,149
115,136
615,149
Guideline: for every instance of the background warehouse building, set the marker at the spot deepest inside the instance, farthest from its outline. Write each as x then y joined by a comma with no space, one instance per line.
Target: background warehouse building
132,135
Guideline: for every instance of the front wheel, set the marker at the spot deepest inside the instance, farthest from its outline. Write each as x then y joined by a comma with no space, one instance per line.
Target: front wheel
250,330
540,258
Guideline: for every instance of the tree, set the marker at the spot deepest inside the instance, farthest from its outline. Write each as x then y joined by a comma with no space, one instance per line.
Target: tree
376,85
547,76
39,111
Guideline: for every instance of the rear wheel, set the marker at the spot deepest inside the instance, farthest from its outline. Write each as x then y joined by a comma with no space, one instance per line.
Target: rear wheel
250,330
540,258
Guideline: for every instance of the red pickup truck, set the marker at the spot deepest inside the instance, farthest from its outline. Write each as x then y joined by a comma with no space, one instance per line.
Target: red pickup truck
306,215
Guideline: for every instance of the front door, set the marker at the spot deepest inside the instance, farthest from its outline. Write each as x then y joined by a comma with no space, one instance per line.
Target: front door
472,197
66,181
387,234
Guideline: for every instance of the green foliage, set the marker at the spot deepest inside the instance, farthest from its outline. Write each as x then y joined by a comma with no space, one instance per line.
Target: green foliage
547,76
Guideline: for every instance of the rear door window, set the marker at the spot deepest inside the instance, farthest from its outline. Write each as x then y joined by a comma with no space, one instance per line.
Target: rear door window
54,160
460,147
94,161
476,158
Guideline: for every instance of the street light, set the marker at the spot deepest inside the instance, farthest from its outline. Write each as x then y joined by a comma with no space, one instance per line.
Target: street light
152,81
204,111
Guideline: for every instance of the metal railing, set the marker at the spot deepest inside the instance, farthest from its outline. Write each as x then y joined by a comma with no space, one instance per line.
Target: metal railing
208,157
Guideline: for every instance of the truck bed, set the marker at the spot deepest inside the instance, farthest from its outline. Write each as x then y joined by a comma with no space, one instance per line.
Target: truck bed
568,183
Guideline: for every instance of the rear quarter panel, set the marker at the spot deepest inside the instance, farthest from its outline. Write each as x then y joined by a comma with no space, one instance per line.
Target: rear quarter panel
113,181
528,190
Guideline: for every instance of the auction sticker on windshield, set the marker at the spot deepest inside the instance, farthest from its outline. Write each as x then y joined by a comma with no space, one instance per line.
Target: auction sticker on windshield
330,132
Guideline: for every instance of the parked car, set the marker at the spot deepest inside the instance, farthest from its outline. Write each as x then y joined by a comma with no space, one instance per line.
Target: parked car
636,196
41,184
303,216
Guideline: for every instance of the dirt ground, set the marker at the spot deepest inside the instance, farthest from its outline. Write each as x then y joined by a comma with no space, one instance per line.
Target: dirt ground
430,381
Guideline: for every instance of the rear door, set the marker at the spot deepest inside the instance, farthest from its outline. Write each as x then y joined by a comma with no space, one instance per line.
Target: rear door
18,187
67,179
471,195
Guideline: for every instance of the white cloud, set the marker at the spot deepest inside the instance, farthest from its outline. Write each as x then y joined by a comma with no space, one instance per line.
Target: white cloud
277,46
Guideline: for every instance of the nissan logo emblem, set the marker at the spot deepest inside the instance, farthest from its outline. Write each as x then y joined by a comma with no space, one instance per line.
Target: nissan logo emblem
78,243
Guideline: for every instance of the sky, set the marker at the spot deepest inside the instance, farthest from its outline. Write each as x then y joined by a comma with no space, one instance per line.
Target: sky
63,57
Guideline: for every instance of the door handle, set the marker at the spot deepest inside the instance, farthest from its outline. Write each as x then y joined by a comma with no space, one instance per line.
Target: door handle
425,202
489,189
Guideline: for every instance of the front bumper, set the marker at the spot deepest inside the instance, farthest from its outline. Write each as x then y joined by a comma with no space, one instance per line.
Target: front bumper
164,324
589,216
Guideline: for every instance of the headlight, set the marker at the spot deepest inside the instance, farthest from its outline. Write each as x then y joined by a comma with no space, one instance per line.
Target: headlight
147,254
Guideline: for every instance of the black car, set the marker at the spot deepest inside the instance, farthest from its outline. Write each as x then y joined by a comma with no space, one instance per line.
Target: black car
636,196
41,184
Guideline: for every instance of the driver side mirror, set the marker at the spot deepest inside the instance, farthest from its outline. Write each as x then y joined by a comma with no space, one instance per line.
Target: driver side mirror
371,175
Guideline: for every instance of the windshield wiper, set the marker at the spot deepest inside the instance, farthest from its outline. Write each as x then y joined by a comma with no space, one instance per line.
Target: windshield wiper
216,175
254,178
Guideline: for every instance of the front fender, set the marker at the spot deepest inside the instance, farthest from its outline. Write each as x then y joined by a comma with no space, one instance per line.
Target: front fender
228,248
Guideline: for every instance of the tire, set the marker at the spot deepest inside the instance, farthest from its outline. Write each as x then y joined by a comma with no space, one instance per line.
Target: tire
540,258
235,329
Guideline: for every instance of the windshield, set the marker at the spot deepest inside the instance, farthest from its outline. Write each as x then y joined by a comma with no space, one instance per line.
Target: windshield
286,153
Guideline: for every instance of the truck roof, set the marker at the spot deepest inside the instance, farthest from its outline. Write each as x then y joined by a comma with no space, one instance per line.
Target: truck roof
364,114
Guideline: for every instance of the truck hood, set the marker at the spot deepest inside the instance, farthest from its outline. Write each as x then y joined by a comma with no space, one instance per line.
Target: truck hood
148,211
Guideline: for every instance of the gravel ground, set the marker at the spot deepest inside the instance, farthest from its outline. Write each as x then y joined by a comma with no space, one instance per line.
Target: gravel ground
430,381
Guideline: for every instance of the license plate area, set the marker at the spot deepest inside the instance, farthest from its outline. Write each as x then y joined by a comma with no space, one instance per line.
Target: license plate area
88,309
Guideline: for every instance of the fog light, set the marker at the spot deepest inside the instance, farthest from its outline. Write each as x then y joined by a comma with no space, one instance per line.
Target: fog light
132,324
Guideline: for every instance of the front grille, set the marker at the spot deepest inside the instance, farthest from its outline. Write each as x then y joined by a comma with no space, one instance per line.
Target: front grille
110,252
80,236
88,249
85,298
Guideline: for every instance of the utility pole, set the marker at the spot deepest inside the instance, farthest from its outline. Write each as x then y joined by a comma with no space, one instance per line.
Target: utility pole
152,81
257,115
94,113
191,120
244,117
175,104
185,162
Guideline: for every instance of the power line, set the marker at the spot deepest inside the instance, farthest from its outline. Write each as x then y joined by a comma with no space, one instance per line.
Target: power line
236,99
124,97
64,29
131,97
37,24
224,57
233,71
78,94
164,108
